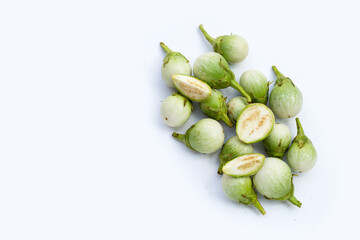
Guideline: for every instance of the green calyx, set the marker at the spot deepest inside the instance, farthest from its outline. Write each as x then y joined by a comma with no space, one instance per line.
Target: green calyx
237,86
281,79
241,190
232,149
174,55
213,69
216,43
215,107
230,78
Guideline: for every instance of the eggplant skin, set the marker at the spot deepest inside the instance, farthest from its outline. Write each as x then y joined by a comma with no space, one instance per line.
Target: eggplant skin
286,100
302,159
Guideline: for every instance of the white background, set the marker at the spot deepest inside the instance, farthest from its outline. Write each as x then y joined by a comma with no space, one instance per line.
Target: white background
84,153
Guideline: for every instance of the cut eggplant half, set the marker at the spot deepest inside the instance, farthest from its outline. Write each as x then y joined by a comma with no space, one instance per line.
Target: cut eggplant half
192,88
255,123
244,165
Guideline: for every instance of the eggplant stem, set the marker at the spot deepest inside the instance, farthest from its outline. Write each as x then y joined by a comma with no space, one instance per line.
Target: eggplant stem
220,169
300,130
226,119
277,72
206,35
257,204
294,201
180,137
165,48
237,86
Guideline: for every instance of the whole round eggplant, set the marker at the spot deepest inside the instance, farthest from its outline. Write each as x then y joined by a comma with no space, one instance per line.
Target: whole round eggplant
285,98
173,63
176,110
274,181
256,85
302,154
206,136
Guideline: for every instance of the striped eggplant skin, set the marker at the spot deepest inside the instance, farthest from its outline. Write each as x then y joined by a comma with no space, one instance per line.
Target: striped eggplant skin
235,106
274,181
278,141
302,154
215,107
241,190
256,85
234,48
285,98
206,136
176,110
